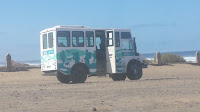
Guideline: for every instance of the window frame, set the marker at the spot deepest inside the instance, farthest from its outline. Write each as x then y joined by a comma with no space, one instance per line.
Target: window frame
108,39
67,38
43,41
78,39
127,45
88,40
122,36
116,45
48,40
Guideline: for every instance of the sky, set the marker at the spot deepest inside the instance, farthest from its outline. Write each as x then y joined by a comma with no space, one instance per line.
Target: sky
158,25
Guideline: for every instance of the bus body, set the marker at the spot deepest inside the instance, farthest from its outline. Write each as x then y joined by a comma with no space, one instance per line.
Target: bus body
71,50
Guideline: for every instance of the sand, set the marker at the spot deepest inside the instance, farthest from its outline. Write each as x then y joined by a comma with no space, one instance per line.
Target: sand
172,88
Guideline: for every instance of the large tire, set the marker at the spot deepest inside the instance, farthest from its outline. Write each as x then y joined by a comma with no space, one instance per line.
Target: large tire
134,71
118,77
63,78
79,73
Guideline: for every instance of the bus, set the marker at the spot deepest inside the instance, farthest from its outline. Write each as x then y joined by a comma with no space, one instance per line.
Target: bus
75,52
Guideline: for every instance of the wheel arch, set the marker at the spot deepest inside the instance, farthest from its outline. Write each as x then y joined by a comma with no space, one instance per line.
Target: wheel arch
81,65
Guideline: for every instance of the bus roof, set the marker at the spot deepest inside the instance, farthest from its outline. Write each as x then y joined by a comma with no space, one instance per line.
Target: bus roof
71,27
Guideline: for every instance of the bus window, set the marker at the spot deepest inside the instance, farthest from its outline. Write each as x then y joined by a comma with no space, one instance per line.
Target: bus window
127,45
44,37
125,35
109,38
77,38
50,40
63,38
117,40
98,42
89,39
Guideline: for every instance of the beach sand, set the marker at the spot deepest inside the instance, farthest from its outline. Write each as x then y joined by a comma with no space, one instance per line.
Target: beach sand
170,88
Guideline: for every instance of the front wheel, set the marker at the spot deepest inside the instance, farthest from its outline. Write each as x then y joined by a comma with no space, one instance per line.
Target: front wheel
134,72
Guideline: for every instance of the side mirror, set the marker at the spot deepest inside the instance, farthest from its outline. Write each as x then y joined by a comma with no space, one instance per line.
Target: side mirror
135,47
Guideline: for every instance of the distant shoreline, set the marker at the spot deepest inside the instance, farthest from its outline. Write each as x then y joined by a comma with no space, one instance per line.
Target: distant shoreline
180,53
31,64
187,59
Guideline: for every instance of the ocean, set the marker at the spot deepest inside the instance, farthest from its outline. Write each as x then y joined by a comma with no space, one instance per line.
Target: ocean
30,62
189,56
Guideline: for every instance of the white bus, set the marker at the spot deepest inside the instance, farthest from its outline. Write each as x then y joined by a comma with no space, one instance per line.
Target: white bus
75,52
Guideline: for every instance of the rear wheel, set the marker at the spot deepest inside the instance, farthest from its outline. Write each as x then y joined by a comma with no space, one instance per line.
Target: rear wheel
79,73
134,71
118,77
63,78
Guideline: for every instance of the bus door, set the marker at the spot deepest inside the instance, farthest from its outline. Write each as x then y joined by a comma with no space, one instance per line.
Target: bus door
100,52
110,51
48,56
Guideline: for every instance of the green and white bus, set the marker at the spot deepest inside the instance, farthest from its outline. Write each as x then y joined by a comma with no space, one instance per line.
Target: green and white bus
74,52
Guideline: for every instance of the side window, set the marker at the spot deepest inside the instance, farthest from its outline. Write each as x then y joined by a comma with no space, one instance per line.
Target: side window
44,38
98,42
125,35
117,39
77,38
63,38
110,38
89,39
127,45
50,40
